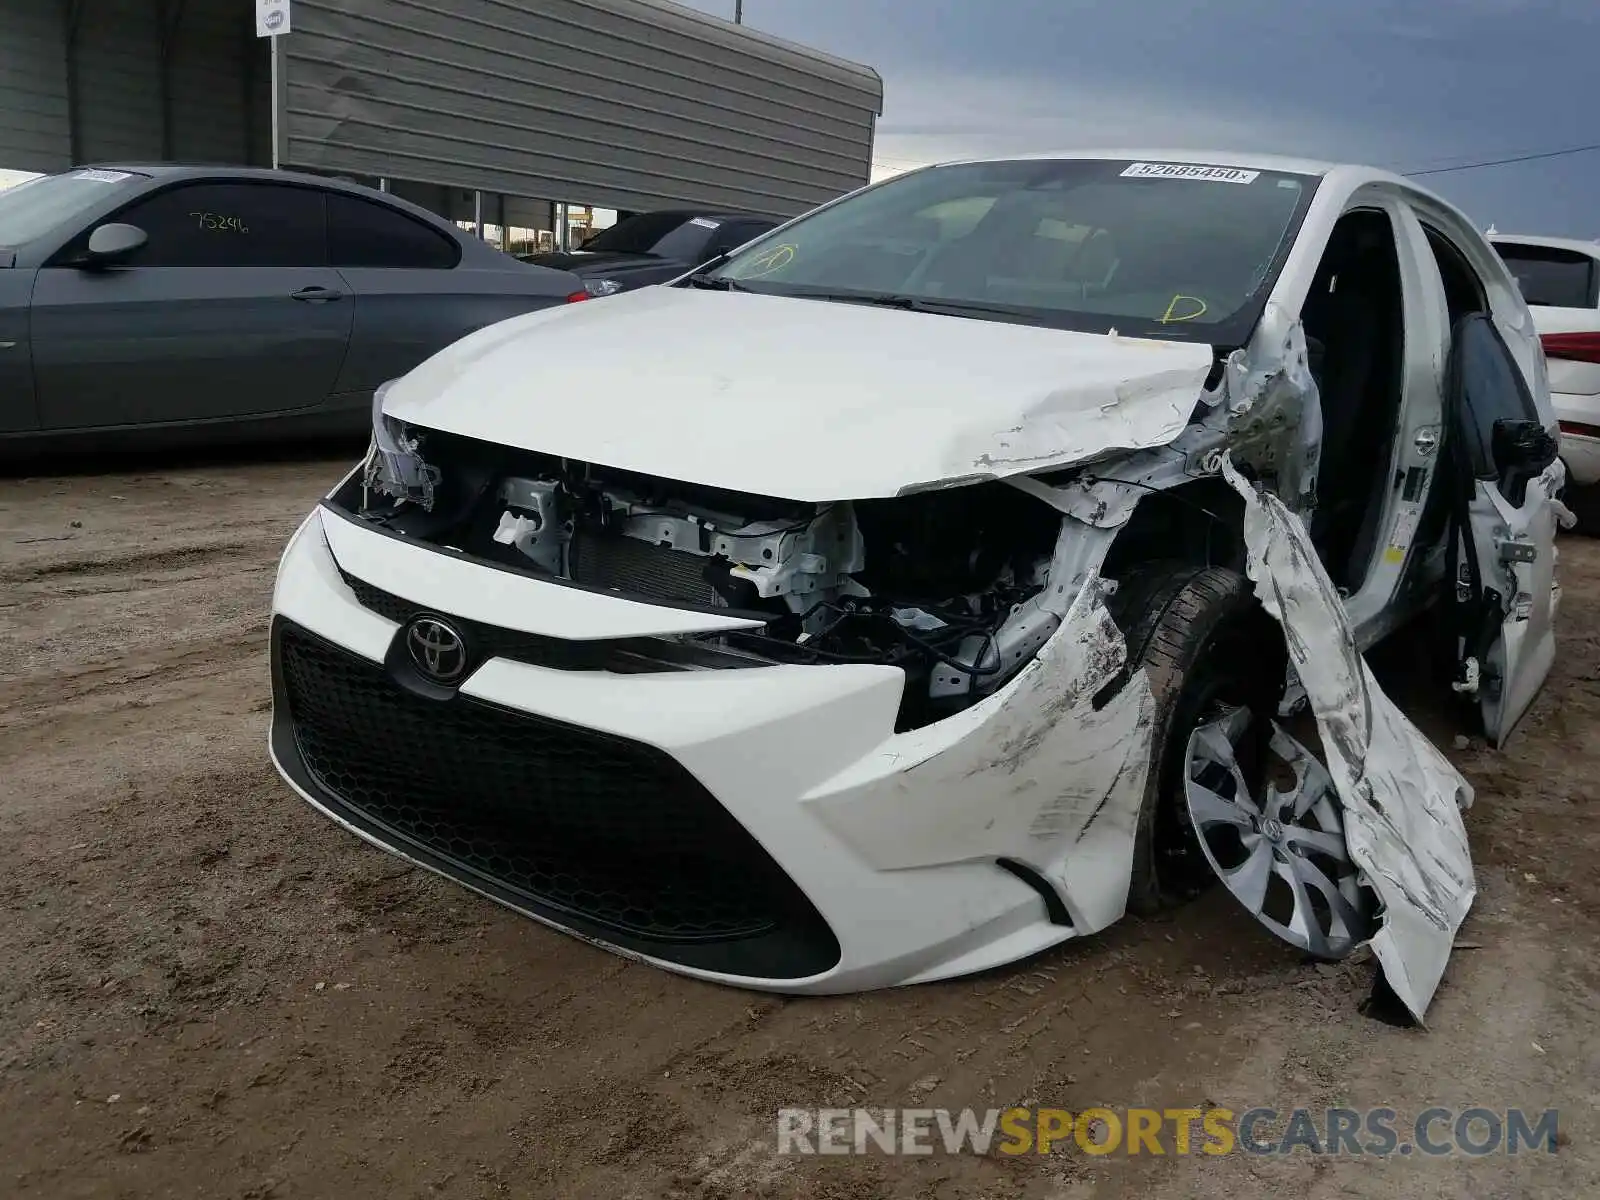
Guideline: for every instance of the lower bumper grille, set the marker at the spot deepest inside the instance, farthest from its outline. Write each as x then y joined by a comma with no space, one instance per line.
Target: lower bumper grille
611,837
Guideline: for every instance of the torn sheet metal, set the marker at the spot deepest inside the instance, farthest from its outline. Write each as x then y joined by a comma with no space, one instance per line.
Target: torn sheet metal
394,468
1402,798
1274,411
1035,773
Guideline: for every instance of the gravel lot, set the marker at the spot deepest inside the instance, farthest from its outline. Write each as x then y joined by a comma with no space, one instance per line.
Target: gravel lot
207,989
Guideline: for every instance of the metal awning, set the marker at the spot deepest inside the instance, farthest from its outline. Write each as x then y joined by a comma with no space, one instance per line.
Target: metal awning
620,103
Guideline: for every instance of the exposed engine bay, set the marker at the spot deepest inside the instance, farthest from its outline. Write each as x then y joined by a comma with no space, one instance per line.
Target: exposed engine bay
947,585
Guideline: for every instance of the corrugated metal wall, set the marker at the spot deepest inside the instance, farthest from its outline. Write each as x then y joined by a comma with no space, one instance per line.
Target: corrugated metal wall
33,86
119,81
212,60
621,103
221,86
113,56
627,104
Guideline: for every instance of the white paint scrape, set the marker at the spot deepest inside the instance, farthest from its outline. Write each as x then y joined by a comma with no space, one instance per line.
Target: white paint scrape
1402,798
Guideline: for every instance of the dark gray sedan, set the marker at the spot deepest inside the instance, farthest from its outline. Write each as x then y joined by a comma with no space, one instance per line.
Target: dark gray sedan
174,303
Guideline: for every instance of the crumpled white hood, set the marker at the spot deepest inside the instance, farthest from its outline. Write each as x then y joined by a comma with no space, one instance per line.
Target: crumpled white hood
803,399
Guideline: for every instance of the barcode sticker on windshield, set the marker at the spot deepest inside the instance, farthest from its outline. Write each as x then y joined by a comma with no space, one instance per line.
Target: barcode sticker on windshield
705,223
1189,171
103,176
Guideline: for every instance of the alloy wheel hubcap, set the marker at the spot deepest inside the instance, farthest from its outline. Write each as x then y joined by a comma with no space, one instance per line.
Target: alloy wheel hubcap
1284,857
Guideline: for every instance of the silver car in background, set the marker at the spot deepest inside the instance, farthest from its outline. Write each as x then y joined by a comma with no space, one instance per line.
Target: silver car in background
180,304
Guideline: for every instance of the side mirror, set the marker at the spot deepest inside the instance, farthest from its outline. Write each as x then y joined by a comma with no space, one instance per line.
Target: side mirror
111,243
1523,447
1522,450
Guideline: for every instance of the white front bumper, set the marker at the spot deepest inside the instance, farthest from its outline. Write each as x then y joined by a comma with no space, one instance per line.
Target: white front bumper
894,838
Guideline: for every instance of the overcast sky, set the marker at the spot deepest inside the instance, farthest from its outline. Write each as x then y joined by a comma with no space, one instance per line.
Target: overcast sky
1404,84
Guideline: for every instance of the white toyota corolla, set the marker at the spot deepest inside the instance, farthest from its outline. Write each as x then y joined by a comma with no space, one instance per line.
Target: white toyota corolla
907,591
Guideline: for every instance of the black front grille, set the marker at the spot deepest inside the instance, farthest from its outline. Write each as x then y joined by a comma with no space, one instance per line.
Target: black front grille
612,837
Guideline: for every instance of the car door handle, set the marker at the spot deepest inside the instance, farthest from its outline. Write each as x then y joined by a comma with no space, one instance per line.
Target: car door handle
315,295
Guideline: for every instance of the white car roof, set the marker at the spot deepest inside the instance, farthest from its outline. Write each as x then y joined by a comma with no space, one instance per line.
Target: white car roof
1592,249
1351,175
1211,158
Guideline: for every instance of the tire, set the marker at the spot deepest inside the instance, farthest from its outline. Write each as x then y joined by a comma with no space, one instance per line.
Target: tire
1202,639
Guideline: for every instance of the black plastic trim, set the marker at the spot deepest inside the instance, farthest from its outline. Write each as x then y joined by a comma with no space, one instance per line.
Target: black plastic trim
1055,908
622,656
801,947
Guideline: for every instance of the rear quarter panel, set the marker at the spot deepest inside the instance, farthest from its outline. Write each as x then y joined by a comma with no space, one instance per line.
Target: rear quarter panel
1566,376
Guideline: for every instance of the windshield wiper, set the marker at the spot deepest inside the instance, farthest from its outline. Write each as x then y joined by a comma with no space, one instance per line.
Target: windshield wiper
714,283
927,304
702,277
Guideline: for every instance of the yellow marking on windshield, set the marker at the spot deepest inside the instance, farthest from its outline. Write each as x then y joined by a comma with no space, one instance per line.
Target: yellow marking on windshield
1172,314
769,261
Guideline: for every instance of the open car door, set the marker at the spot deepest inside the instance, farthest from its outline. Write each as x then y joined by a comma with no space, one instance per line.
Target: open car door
1501,468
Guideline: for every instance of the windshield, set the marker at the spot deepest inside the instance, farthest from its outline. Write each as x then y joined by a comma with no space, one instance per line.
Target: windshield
663,235
1152,249
34,208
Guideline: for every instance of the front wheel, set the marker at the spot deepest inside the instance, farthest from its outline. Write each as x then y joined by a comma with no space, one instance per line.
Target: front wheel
1207,647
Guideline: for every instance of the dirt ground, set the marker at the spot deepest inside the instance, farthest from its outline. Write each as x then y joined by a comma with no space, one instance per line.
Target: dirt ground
209,990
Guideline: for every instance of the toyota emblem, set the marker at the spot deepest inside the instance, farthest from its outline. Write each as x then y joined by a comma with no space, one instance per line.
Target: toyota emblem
436,649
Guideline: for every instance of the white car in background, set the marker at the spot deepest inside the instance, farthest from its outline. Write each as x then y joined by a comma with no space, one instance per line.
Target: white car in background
1560,280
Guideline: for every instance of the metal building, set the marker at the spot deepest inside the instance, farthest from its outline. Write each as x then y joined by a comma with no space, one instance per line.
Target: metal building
626,104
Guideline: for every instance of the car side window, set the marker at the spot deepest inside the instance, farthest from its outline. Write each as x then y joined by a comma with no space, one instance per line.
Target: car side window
1489,387
229,225
364,233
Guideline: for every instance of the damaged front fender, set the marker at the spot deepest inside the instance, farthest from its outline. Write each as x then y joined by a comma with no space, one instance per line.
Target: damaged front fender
1402,798
1047,772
